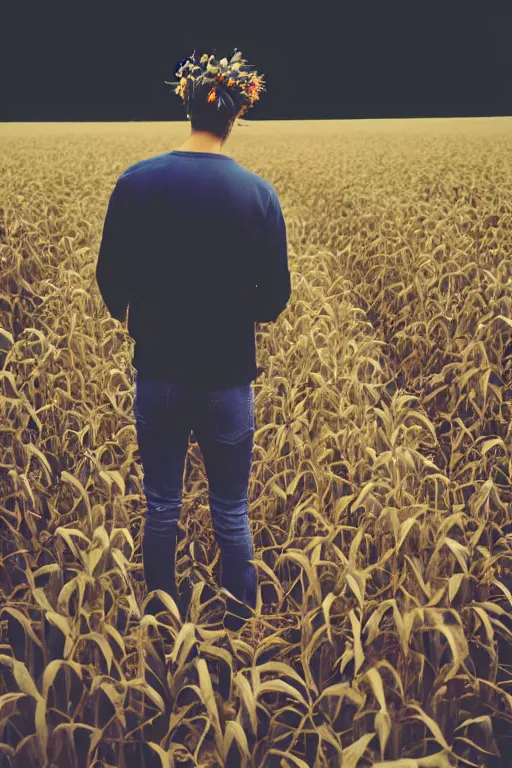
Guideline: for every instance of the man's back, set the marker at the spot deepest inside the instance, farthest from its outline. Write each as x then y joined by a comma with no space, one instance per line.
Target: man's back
209,259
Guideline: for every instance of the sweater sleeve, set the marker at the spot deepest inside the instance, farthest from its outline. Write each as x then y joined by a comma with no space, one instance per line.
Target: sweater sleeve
114,264
272,276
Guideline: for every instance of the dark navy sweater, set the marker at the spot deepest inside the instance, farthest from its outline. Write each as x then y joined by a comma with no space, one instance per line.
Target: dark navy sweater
195,244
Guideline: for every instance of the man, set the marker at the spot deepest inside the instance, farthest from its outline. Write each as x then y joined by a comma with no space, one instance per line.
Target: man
196,245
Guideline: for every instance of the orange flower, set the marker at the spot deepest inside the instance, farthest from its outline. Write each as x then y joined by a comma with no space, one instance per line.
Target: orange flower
212,95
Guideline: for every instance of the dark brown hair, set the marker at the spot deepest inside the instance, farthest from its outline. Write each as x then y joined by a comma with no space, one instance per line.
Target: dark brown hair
204,115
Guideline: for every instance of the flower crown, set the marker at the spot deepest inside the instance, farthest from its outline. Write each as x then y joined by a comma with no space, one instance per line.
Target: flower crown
236,75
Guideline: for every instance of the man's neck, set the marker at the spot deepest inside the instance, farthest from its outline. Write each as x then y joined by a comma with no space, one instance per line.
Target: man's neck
200,148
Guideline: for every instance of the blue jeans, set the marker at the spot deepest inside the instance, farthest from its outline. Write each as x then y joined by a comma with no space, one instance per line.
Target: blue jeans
223,423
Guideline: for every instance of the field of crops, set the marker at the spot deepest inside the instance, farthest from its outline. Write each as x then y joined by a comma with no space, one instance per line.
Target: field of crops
380,497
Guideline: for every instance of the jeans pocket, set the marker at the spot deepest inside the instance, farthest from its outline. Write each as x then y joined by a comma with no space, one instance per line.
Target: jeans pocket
233,412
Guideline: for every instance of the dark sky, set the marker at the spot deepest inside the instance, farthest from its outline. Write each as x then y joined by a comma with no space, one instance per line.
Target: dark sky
100,60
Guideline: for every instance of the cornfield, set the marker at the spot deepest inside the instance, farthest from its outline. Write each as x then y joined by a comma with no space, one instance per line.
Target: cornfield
380,493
